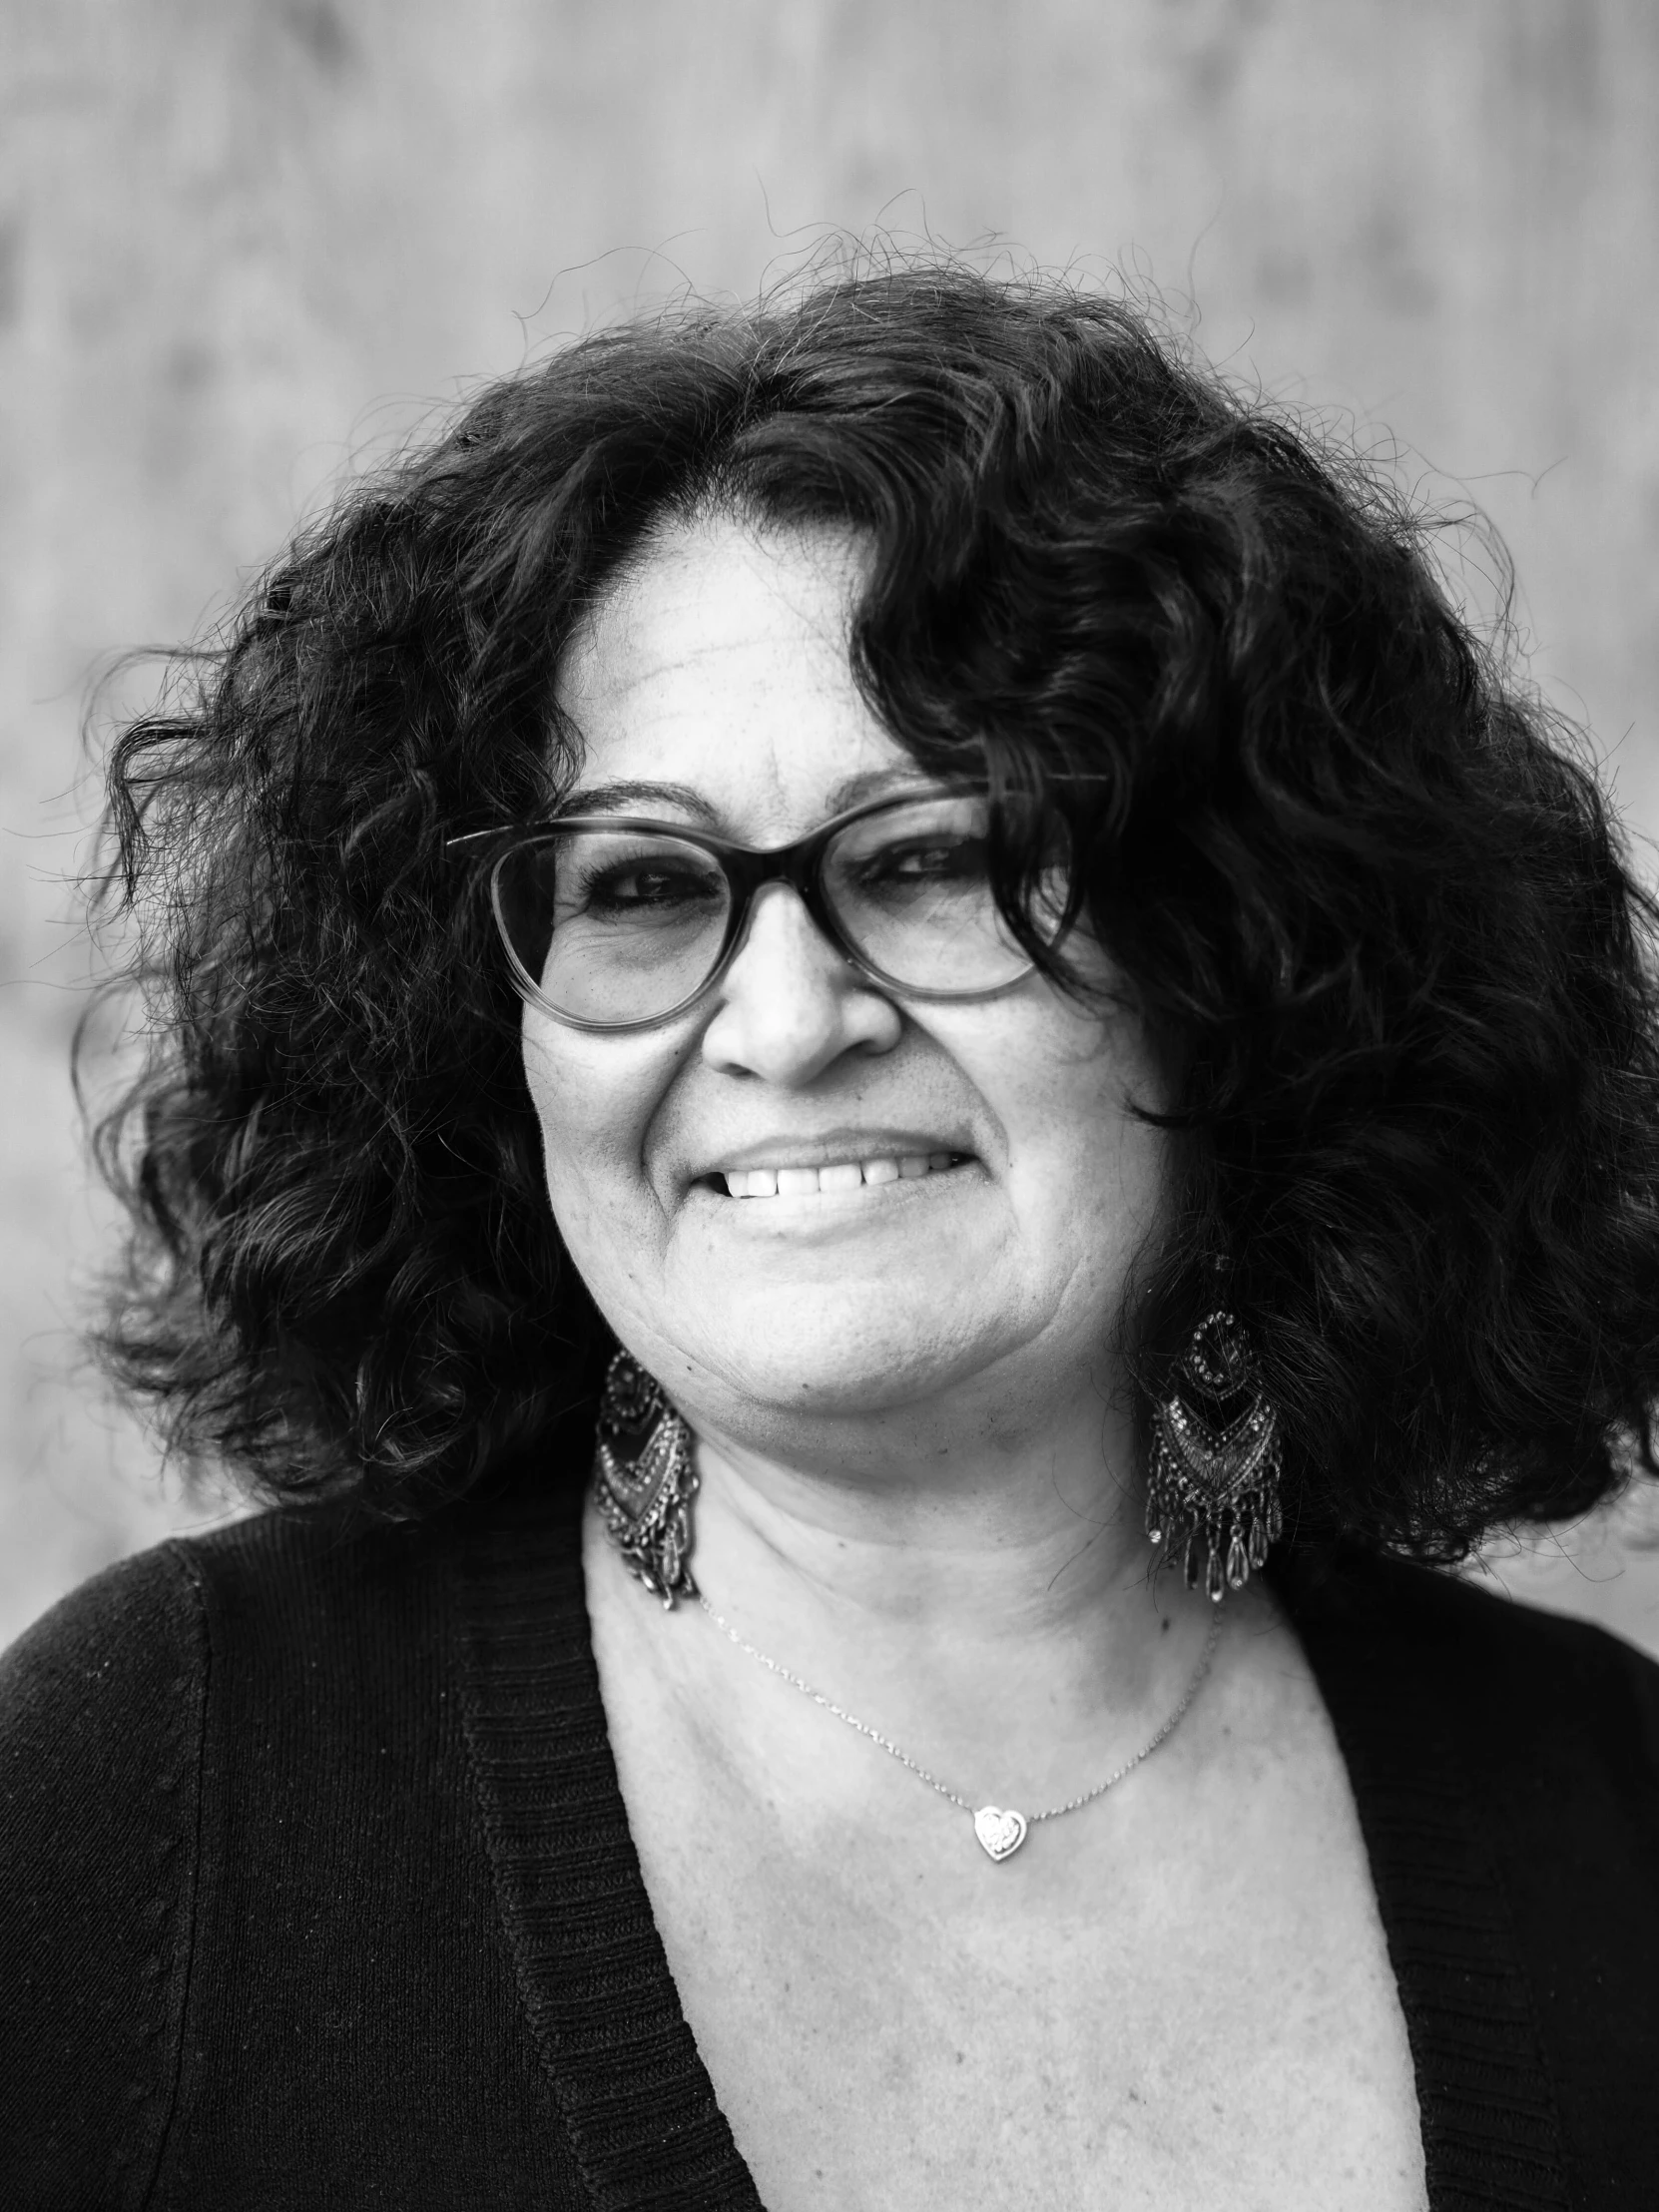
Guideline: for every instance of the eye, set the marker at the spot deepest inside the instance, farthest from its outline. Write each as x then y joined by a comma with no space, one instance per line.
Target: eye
944,856
918,860
644,889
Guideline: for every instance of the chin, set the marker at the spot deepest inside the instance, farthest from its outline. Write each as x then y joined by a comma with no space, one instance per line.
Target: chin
843,1349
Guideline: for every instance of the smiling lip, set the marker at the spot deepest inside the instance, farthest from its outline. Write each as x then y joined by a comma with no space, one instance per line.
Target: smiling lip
836,1175
844,1160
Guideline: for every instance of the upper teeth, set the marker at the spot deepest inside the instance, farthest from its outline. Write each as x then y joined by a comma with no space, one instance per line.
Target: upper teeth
843,1175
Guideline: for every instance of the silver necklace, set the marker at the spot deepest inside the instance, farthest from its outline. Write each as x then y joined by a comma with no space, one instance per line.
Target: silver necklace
999,1827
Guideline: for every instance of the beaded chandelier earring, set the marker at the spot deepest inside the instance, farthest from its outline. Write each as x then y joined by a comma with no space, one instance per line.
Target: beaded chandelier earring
1213,1486
645,1479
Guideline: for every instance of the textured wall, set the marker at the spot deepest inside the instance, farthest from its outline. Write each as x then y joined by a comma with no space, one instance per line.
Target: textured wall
241,240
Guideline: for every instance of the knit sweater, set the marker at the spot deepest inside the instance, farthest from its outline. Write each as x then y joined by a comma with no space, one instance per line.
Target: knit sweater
316,1887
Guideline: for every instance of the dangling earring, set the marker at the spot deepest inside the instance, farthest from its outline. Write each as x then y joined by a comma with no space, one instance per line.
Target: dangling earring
1214,1479
645,1477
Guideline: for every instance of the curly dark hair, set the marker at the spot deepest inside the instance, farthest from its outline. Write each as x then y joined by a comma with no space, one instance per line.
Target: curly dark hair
1372,907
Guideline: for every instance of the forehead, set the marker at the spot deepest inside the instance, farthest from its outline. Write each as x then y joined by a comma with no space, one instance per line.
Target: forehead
719,661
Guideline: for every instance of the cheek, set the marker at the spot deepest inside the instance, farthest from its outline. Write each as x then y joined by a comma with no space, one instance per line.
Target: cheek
594,1106
1081,1160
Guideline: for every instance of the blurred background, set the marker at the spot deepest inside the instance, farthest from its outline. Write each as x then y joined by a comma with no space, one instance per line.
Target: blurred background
243,242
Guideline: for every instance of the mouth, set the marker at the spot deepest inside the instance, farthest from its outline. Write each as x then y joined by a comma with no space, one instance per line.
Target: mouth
835,1177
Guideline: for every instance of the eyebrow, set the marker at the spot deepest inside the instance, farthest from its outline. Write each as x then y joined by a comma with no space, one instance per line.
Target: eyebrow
616,798
625,798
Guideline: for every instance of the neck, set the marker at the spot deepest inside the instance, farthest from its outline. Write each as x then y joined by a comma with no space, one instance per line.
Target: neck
994,1598
1009,1539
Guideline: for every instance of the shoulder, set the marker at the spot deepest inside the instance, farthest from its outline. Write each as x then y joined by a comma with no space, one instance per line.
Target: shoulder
1556,1724
131,1713
102,1706
1531,1683
1486,1642
231,1770
320,1625
1550,1717
123,1646
100,1718
1546,1727
1505,1770
119,1655
102,1703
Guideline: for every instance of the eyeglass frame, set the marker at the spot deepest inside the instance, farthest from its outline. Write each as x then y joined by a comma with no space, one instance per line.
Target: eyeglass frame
748,870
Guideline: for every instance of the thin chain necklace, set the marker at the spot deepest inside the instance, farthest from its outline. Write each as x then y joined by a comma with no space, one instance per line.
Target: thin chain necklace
1000,1829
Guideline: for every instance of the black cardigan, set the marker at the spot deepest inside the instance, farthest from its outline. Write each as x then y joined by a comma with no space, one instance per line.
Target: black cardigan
317,1888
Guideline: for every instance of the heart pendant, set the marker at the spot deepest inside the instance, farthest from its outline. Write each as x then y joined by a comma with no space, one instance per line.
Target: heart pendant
1000,1831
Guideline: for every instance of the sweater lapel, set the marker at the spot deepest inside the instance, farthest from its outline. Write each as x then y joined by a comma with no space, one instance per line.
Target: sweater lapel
1490,2132
634,2093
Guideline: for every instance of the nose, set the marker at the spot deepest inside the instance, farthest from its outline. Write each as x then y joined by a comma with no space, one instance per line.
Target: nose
789,1007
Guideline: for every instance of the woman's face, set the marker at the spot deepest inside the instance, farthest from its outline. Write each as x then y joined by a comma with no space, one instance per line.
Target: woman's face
715,675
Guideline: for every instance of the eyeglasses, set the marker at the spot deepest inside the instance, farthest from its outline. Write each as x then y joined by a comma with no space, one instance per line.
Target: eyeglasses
617,922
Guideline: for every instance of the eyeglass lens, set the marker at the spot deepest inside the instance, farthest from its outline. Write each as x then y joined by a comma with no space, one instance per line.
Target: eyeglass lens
616,924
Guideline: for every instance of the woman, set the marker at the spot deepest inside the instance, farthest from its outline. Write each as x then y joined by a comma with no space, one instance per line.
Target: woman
962,896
